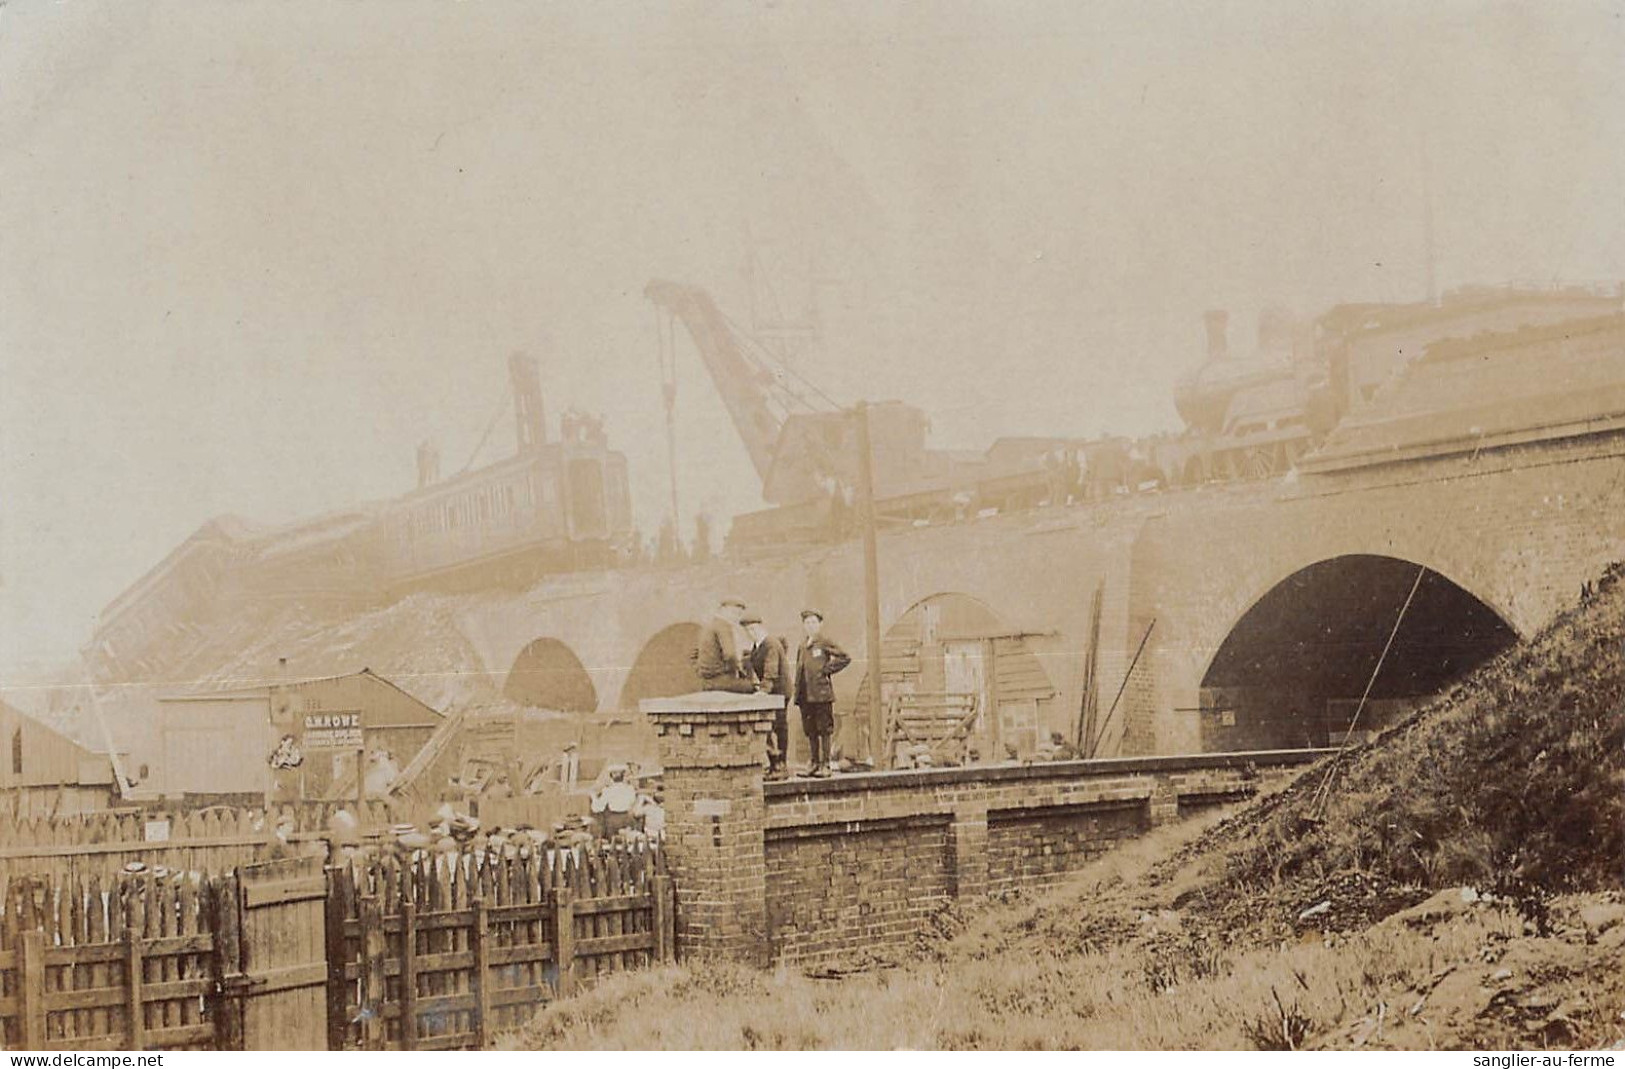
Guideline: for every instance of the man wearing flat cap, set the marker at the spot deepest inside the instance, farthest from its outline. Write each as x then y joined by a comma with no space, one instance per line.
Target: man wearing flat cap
817,658
719,656
771,666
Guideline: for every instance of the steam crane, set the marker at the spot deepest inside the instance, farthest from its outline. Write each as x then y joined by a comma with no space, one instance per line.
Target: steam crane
759,398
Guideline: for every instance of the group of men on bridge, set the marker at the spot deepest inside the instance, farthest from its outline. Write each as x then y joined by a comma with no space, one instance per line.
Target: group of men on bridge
736,654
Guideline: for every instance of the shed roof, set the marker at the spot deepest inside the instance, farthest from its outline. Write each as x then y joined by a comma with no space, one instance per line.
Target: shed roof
50,757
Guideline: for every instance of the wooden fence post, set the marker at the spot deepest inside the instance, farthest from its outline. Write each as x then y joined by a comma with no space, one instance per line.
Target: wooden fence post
31,988
132,989
228,999
373,948
482,982
409,972
337,985
665,926
564,941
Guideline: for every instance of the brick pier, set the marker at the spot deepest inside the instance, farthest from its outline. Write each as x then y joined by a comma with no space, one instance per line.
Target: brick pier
713,748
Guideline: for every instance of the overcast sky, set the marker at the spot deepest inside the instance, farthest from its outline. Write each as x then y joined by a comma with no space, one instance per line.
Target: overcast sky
252,253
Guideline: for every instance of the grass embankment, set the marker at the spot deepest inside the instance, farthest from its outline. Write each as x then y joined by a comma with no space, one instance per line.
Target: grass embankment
1461,886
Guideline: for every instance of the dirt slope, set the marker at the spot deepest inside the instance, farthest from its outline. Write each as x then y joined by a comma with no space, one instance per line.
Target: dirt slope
1513,782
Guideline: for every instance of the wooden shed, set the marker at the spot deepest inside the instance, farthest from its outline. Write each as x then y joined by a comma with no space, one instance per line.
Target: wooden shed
953,648
45,773
289,741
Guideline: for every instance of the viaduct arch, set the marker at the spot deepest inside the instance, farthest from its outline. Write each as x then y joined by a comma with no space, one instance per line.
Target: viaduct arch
547,674
1517,530
1293,669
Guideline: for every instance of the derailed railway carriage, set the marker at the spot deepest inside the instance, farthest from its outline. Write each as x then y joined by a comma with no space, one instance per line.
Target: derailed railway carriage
557,504
558,507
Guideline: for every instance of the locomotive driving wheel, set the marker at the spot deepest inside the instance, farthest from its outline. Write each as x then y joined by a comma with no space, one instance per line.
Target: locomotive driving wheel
1259,463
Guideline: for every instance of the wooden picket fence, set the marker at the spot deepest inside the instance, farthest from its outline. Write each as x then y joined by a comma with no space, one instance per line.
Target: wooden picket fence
125,964
210,840
446,953
442,953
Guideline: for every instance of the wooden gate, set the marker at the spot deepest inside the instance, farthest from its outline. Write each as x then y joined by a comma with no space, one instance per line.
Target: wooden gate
273,957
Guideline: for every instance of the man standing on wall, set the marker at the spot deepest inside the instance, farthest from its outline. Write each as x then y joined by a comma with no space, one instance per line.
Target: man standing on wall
719,656
770,664
817,659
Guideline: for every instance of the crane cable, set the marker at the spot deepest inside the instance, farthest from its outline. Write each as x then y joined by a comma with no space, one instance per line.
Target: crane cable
1317,803
666,357
489,427
766,355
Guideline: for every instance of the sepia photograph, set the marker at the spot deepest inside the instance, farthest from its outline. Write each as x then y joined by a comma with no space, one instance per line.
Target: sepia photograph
812,525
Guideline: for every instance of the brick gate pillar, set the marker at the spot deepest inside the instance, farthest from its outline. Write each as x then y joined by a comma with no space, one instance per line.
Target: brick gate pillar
713,748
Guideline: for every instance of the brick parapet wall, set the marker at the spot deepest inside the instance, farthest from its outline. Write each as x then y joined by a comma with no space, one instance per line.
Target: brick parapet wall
874,795
858,864
808,870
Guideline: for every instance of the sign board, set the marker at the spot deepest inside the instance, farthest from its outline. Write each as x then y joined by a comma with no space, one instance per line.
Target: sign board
332,731
156,831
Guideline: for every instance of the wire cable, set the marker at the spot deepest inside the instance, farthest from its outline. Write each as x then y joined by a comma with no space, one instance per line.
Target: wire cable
1322,792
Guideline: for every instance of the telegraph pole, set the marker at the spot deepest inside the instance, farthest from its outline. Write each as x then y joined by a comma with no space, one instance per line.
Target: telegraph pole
666,340
871,580
1427,225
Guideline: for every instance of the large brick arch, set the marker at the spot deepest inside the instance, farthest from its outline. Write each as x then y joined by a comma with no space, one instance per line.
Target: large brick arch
1193,625
1233,614
1197,570
1297,667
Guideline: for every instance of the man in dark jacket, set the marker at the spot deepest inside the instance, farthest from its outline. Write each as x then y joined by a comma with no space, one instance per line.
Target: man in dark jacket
770,664
719,656
817,658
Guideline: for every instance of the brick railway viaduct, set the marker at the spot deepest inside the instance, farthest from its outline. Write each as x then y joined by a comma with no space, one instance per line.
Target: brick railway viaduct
1517,524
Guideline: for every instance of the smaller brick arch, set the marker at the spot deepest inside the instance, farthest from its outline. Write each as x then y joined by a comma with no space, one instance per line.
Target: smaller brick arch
547,674
664,666
918,646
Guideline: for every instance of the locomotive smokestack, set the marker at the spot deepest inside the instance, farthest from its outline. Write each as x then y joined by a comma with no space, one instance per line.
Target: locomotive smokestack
1218,347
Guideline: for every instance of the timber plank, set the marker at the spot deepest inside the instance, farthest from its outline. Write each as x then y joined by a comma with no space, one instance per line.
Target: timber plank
599,945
